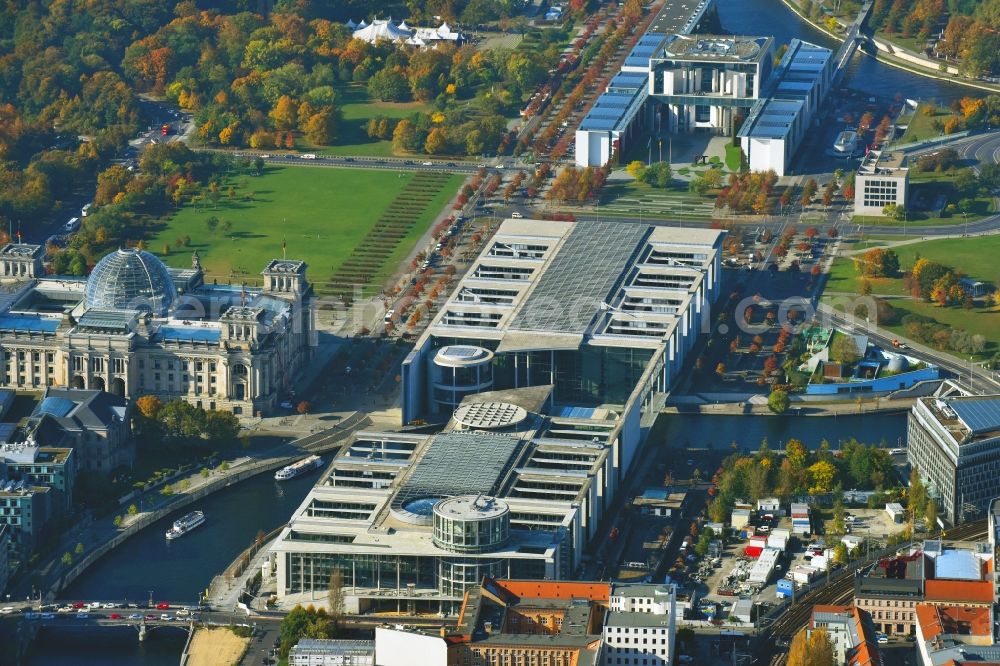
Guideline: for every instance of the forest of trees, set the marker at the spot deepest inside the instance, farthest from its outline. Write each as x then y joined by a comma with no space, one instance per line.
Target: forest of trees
970,28
71,77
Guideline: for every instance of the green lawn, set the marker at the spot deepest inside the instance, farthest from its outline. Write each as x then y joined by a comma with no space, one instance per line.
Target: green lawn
921,125
976,257
322,213
844,278
357,108
973,256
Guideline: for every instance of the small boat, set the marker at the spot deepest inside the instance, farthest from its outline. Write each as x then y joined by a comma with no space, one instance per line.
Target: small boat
301,467
184,525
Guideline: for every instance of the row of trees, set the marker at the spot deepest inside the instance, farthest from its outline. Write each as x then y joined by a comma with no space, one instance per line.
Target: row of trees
797,471
178,423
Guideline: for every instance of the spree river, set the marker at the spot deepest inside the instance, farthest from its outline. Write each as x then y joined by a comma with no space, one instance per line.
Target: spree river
176,571
772,17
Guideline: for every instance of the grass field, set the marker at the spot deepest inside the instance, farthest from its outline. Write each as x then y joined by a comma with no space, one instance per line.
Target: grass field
973,256
976,257
633,198
844,278
921,125
358,108
323,214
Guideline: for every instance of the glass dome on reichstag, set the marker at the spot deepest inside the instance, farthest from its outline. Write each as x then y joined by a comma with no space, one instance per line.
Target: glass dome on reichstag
130,279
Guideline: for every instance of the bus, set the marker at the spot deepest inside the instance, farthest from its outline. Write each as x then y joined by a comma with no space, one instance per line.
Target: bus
165,130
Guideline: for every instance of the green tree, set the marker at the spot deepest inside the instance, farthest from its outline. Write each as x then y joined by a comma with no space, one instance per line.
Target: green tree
932,514
388,85
79,549
718,510
778,402
917,496
658,174
133,510
704,541
839,512
844,349
118,521
840,554
67,560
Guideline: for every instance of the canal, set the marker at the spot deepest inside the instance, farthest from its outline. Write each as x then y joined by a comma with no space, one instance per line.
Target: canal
718,433
176,570
772,17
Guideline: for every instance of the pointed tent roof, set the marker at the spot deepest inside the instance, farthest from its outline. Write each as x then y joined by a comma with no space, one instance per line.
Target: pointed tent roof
351,24
381,30
403,26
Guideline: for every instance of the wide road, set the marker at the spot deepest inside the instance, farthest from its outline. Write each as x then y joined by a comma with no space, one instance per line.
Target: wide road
982,381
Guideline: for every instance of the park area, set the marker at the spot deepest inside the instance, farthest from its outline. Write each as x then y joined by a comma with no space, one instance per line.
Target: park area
357,108
351,226
967,257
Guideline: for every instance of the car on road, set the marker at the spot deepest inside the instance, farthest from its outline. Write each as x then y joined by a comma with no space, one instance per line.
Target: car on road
166,617
388,316
78,604
6,610
516,215
116,616
287,404
428,163
65,609
150,616
81,615
163,605
184,612
896,452
109,604
47,616
135,616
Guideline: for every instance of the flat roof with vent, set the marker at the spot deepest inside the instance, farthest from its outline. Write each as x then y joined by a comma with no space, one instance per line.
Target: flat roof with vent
490,415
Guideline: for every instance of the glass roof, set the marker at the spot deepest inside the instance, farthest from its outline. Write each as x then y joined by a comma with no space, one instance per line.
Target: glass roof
130,279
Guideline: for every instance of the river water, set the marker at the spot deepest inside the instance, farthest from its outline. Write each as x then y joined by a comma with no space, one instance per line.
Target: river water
175,571
771,17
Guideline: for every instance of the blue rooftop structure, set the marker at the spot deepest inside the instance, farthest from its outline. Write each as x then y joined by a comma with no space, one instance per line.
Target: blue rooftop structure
643,50
59,407
628,82
190,333
25,323
978,414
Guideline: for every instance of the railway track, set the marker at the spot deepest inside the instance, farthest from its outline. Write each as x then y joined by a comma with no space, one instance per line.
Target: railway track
840,590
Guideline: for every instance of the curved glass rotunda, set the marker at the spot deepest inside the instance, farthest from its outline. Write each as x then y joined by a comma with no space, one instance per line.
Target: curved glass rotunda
130,279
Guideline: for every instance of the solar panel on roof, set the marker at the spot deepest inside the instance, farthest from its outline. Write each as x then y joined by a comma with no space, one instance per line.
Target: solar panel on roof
581,275
980,414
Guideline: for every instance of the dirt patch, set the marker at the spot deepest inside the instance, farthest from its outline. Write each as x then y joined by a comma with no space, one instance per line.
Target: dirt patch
216,647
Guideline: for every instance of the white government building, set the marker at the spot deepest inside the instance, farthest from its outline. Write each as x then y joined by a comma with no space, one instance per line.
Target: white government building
546,367
136,327
676,80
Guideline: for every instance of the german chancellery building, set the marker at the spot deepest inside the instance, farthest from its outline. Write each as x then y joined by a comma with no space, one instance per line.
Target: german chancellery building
136,327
